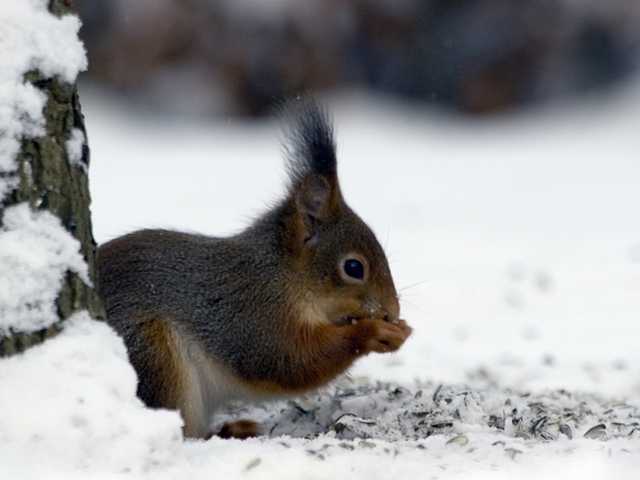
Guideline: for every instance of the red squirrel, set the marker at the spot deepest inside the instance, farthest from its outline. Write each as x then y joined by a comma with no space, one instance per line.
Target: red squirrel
279,309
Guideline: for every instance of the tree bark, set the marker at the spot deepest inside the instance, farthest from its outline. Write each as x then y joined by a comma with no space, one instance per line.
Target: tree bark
49,181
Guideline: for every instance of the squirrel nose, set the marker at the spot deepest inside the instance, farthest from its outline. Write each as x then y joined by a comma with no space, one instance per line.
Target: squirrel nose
390,311
391,308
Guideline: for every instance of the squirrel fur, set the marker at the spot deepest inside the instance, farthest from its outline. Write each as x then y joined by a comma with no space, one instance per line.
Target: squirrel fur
279,309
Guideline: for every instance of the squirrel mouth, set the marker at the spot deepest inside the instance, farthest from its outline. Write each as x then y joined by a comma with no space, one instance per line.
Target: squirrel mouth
348,320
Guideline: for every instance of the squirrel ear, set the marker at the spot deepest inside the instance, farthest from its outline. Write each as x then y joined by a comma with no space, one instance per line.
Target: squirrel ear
316,199
311,151
313,198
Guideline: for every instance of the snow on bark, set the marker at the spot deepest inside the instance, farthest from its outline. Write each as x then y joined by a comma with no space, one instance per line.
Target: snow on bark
31,39
45,225
72,400
35,253
74,146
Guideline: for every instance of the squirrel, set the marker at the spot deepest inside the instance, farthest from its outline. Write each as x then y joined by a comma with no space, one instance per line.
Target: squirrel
277,310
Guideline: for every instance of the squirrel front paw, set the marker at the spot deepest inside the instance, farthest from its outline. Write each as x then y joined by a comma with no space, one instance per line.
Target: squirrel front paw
377,335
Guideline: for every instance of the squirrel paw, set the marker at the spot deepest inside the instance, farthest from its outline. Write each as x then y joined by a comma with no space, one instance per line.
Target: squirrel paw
382,336
239,429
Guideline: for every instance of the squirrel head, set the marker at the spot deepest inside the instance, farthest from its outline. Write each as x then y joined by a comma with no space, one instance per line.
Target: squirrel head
341,271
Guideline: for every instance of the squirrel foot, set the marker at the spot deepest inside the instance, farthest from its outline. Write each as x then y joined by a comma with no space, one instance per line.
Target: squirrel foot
240,429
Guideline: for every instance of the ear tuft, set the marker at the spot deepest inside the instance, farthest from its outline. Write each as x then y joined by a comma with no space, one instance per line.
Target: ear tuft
310,148
314,193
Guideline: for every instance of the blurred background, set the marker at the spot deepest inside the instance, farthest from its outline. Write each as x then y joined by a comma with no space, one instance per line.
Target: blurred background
491,144
236,57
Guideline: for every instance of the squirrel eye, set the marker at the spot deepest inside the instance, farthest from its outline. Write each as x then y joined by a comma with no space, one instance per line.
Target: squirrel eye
354,268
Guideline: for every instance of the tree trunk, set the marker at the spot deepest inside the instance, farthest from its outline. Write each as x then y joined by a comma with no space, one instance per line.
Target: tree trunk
49,181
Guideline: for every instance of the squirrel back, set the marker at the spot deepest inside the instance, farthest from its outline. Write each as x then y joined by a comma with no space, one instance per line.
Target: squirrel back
281,308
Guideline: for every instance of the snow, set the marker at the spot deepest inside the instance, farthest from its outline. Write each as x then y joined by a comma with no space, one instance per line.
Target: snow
36,252
50,45
512,243
74,148
392,412
70,403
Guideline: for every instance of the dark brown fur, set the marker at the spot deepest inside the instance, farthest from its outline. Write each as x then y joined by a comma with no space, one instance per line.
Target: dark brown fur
239,429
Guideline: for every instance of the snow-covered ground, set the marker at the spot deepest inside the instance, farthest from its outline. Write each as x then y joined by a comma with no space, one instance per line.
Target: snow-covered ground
516,248
515,244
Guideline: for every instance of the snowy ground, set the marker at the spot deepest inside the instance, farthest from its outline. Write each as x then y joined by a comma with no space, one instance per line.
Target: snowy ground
516,246
77,417
515,243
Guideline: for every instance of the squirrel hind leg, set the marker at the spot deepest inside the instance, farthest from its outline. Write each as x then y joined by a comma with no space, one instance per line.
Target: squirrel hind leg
240,429
166,378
